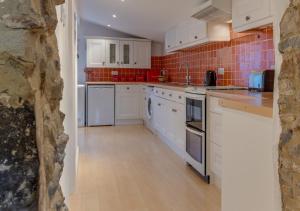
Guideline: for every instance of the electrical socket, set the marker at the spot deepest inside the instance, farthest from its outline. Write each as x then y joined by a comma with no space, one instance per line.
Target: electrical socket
221,71
114,73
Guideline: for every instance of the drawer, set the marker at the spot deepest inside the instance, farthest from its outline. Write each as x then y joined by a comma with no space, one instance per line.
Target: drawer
127,89
179,97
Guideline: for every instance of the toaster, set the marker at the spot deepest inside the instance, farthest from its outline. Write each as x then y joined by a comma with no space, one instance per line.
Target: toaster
262,81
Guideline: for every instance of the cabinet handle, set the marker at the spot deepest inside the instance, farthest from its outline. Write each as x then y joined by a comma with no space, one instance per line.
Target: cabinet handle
145,98
174,110
179,97
118,62
163,93
180,42
169,46
135,62
127,88
170,95
196,37
247,18
103,63
156,91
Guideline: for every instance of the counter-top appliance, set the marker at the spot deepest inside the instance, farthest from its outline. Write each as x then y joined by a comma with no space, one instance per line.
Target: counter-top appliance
210,78
262,81
100,105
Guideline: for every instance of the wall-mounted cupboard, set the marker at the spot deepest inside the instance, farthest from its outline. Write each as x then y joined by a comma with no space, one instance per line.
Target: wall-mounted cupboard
118,53
248,15
194,32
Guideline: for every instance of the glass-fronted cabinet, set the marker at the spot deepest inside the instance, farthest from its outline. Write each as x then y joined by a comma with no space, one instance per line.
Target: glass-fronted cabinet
112,53
126,53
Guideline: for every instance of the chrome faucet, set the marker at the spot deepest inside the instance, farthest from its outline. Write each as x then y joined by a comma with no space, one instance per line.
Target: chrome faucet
187,77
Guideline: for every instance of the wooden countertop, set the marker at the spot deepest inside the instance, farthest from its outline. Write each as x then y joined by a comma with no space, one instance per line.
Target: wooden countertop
171,86
243,100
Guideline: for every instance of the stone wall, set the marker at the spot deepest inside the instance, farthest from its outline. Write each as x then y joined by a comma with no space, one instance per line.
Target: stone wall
32,139
289,106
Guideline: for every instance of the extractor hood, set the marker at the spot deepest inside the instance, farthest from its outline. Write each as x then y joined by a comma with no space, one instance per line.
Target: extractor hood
214,10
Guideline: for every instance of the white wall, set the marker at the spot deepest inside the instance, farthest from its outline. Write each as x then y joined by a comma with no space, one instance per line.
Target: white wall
90,29
67,51
279,8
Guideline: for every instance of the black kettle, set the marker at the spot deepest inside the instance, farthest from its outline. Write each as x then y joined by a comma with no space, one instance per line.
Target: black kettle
210,78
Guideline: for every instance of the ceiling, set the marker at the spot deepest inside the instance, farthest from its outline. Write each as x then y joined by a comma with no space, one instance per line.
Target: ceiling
144,18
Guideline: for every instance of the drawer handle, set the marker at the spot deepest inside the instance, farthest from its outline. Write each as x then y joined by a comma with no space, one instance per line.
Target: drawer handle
127,88
170,95
159,104
162,93
179,97
196,37
180,42
174,110
247,18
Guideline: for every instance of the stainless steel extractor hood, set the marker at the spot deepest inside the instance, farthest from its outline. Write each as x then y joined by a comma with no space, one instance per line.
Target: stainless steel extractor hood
214,10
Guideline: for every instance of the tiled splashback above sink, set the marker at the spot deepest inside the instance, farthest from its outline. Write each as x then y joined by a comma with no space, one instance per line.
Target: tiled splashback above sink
244,53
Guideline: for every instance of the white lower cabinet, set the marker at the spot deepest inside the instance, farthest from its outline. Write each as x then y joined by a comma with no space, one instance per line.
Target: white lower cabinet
214,138
169,120
128,98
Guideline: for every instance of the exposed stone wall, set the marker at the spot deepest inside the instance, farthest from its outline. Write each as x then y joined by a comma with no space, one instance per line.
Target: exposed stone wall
289,105
32,139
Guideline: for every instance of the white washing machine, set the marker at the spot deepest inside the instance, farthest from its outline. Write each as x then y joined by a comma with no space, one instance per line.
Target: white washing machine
148,111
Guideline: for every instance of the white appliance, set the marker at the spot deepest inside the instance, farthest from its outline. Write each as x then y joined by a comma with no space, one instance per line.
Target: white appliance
214,10
101,105
81,105
148,116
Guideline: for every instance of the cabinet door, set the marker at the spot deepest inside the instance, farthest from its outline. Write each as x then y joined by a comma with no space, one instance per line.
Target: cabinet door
182,34
170,39
112,53
142,54
245,12
126,53
95,53
127,102
197,30
177,123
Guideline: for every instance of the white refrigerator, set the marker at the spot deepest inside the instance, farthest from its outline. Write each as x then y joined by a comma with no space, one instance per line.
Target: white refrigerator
101,105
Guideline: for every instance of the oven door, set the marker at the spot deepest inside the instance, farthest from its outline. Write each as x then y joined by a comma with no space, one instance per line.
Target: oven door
195,111
196,150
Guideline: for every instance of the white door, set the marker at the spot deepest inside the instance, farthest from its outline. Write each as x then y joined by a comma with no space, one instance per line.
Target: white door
112,53
197,30
245,12
170,39
126,53
142,54
95,53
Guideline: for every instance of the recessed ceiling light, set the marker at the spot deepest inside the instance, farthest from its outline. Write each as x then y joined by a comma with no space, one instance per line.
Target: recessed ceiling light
122,0
114,16
108,25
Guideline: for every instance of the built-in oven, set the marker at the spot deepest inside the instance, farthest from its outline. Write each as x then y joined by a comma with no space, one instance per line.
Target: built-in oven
195,111
195,133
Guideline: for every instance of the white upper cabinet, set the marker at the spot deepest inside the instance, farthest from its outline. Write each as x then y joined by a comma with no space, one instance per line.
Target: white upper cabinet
195,32
170,39
112,53
119,53
142,54
96,53
251,14
126,53
182,37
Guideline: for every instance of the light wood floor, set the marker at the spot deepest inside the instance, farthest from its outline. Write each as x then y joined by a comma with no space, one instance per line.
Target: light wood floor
127,168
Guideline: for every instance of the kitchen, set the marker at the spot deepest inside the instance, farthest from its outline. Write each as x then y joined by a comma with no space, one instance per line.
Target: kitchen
205,91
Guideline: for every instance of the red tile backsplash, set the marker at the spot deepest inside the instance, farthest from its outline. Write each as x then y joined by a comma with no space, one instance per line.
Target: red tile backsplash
245,52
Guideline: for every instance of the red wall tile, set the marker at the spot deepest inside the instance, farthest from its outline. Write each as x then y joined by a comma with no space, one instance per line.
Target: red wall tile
244,53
